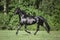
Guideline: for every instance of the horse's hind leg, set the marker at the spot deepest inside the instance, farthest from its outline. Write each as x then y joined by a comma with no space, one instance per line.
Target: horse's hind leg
18,29
26,29
46,27
37,29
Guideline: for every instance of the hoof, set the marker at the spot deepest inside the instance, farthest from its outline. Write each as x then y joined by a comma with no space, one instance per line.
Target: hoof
48,31
29,32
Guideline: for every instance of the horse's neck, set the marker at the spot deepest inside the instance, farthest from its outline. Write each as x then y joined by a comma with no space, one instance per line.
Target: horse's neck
21,16
24,16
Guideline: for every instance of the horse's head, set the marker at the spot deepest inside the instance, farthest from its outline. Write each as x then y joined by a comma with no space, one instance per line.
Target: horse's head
17,11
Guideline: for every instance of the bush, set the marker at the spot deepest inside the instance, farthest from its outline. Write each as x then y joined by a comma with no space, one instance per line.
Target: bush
4,19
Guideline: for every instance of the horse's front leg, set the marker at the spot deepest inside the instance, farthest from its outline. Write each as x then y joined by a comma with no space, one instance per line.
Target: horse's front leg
18,29
37,29
26,29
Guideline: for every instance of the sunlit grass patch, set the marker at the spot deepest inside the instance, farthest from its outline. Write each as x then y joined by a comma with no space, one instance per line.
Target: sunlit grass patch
41,35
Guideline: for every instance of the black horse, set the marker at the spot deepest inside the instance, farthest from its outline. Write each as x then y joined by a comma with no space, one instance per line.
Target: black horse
25,20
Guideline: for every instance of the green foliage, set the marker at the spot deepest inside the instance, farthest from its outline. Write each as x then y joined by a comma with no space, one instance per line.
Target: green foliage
49,9
13,22
4,19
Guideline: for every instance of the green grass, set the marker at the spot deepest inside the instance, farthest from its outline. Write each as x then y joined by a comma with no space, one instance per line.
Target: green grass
41,35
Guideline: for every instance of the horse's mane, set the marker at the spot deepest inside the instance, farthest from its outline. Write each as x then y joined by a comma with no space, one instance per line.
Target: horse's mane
23,12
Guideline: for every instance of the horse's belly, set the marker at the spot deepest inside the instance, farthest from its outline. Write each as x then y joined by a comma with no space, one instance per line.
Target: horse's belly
30,22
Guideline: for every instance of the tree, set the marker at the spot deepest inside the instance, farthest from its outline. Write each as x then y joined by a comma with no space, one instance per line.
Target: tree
0,0
37,2
6,3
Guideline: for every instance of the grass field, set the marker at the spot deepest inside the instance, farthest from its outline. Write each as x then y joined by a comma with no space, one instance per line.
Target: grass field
41,35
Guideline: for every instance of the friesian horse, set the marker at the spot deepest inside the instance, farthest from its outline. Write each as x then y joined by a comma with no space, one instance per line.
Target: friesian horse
25,19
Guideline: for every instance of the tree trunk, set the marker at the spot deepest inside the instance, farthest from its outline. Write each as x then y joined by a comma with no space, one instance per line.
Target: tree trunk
19,1
37,2
0,0
6,2
5,7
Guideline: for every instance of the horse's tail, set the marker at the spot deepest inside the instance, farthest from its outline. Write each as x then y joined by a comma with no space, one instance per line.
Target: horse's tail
47,27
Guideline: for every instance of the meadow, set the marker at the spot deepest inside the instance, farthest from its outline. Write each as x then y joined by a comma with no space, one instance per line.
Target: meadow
41,35
48,9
